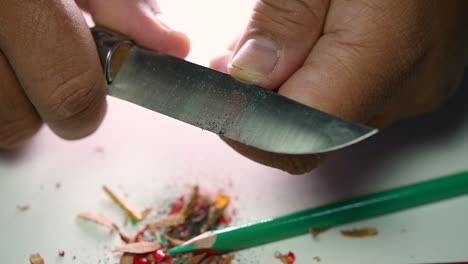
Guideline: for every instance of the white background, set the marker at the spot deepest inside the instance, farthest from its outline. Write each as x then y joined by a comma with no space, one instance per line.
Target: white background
153,158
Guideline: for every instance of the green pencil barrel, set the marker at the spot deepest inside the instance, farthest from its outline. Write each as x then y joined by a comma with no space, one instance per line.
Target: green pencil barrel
342,212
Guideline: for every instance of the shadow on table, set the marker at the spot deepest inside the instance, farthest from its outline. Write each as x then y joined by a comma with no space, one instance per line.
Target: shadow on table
347,172
16,154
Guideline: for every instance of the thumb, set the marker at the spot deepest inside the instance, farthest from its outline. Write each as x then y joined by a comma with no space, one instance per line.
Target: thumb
277,40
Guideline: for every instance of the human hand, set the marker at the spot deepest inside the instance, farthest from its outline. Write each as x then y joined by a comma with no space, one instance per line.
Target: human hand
49,67
371,61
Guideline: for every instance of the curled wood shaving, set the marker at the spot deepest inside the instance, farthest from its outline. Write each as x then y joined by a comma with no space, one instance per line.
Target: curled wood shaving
167,221
196,259
36,259
216,211
142,247
361,232
127,259
135,214
99,219
214,214
187,208
174,241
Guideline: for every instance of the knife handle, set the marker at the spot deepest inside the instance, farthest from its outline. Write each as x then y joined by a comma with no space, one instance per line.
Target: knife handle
112,48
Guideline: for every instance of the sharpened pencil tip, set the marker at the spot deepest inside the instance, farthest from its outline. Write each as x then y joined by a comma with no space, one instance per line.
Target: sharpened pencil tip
180,249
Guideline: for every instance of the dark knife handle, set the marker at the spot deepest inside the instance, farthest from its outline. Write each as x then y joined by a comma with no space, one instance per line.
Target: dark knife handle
112,49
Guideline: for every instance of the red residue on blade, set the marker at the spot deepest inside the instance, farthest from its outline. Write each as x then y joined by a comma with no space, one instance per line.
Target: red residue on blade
237,99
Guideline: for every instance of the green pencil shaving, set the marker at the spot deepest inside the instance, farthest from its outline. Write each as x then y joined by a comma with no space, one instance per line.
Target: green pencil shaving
299,223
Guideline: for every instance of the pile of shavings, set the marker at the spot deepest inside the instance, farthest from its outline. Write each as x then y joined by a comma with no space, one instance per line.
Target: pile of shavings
188,217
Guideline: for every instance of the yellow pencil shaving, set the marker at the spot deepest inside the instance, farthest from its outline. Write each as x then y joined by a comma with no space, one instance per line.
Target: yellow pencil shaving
221,201
135,214
362,232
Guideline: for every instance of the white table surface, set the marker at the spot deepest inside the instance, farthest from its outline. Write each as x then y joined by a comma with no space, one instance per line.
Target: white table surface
151,158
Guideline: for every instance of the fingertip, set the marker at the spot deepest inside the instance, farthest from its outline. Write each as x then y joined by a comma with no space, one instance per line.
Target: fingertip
146,28
153,33
220,62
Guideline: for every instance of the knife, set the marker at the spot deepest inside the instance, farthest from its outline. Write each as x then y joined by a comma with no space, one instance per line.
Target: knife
217,102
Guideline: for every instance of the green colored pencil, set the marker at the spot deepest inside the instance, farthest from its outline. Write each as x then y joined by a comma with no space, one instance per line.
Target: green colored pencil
269,230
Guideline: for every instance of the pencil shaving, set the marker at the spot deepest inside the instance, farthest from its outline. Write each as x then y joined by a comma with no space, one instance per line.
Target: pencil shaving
187,208
196,259
167,221
228,259
99,219
36,259
361,232
221,201
135,214
127,259
145,213
142,247
174,241
288,258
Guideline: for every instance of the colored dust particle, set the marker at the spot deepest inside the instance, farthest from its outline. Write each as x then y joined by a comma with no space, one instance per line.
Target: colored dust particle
23,208
288,258
358,233
36,259
188,216
316,232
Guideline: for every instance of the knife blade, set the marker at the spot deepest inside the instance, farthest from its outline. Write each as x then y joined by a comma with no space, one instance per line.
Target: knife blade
217,102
